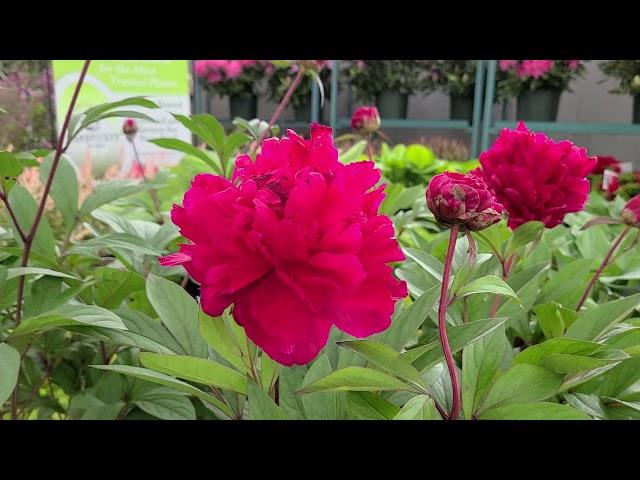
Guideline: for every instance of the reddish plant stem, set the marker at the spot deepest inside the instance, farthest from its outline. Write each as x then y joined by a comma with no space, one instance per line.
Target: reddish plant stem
604,263
21,233
28,242
152,193
442,324
506,270
281,106
369,149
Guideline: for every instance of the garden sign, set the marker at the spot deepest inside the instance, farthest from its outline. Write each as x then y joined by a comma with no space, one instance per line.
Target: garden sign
165,82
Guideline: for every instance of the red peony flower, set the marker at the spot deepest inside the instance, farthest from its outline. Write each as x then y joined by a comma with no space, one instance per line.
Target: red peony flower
455,198
610,183
366,120
536,178
631,212
295,243
606,162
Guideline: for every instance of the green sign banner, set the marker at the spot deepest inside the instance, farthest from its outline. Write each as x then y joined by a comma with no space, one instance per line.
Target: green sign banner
165,82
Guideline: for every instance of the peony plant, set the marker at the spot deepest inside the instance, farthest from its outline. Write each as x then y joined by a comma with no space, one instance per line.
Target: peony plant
233,78
297,285
518,76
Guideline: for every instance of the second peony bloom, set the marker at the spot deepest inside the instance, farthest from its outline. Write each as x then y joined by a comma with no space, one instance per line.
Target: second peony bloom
295,243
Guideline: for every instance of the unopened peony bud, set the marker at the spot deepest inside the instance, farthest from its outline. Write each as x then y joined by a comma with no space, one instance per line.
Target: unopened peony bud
130,128
455,198
366,120
631,212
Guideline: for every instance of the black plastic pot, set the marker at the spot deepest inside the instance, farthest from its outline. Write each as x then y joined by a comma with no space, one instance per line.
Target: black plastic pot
243,107
302,112
392,104
462,107
539,105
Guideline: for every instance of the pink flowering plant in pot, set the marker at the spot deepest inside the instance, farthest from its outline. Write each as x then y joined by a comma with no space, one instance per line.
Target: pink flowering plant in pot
237,79
276,277
282,76
537,84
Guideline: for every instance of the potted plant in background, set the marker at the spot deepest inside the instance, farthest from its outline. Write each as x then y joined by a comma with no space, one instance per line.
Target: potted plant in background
456,78
280,80
627,72
388,83
237,79
538,85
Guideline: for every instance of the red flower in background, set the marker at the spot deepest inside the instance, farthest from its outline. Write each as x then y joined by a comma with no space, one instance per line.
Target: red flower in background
366,120
295,243
631,212
536,178
604,163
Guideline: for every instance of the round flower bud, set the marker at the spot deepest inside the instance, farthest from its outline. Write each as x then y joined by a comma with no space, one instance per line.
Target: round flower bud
631,212
130,128
458,199
366,120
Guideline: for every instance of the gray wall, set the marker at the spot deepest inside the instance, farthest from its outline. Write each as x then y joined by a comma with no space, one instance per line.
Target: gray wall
589,102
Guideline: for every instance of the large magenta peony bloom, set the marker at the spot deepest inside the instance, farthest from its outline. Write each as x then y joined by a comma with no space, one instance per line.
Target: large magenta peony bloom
295,243
536,178
455,198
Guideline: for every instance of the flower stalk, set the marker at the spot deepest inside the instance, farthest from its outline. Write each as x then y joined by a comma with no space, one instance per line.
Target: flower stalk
605,262
152,192
442,324
281,106
30,236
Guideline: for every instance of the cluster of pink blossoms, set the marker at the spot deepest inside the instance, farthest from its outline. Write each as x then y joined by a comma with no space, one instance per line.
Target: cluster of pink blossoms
533,68
215,71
